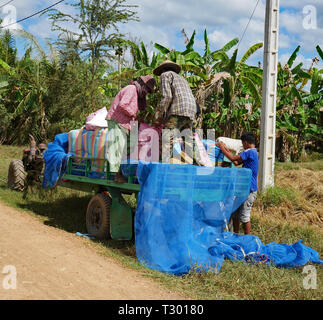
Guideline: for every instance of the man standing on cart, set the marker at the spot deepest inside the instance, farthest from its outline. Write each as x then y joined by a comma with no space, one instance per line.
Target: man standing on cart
177,108
122,112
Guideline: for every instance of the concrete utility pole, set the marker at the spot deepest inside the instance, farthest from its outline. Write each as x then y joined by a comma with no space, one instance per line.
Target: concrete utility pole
269,94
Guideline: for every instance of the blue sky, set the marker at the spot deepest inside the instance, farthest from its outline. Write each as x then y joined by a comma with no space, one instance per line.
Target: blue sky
163,20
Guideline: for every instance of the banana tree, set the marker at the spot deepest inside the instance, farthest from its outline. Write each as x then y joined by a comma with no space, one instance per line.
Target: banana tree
199,69
216,73
297,110
241,89
142,64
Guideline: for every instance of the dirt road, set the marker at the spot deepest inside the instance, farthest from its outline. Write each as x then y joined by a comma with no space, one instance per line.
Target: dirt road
53,264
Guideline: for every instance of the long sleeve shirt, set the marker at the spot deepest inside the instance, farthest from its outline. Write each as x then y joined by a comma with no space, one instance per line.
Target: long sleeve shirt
177,96
124,106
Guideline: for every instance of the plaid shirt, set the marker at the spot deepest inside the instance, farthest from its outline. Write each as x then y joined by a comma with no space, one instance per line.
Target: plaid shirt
177,98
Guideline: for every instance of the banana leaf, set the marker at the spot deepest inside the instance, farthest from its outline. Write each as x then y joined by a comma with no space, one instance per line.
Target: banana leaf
230,45
7,68
254,91
293,57
207,51
295,94
161,48
190,44
319,51
250,52
145,58
315,82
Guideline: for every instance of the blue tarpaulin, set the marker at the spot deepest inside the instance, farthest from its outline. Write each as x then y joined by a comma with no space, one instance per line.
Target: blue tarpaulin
181,216
55,158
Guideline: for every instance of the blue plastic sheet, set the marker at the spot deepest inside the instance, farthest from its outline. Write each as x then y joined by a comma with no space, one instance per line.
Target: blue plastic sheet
250,249
215,154
182,213
55,158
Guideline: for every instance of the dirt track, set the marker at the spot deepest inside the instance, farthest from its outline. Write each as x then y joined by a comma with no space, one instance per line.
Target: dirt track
53,264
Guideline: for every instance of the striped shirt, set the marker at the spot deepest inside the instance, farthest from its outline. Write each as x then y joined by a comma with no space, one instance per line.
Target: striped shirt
177,95
124,106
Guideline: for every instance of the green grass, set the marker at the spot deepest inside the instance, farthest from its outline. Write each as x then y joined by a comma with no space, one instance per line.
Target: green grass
274,196
315,165
65,209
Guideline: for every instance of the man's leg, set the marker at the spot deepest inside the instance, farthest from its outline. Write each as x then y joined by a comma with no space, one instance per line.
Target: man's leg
245,212
168,138
176,125
247,227
236,224
185,126
236,220
116,150
125,154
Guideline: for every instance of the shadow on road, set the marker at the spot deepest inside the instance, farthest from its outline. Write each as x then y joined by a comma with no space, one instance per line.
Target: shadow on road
68,214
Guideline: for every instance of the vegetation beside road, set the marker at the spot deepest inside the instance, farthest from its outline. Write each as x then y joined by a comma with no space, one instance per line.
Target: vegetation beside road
48,90
283,215
45,90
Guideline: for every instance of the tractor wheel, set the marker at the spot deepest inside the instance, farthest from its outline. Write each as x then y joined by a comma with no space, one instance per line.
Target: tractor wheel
16,175
98,216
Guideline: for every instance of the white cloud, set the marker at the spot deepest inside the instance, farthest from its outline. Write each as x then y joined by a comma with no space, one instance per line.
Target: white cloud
162,20
225,20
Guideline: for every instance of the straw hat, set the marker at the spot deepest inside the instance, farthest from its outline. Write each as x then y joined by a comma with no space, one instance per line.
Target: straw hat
168,65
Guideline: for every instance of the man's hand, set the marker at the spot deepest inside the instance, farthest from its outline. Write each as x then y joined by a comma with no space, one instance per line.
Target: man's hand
222,146
235,159
219,144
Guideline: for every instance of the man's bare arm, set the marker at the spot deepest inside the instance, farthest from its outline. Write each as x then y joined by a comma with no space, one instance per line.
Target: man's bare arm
235,159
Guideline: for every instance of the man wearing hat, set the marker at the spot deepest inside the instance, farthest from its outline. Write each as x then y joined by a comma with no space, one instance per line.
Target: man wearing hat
123,110
178,106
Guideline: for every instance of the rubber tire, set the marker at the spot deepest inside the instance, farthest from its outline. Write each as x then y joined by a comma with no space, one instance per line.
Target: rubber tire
98,216
16,175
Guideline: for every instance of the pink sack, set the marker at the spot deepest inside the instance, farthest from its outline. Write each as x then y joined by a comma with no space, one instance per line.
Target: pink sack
148,143
97,120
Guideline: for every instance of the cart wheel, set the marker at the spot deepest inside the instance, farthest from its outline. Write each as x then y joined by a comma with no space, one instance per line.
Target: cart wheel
98,216
16,175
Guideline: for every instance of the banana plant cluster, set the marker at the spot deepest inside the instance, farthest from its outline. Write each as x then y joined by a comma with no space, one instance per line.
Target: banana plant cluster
223,86
51,93
229,91
298,116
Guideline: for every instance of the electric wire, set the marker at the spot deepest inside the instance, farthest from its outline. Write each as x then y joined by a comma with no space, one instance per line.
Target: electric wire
6,4
35,14
246,28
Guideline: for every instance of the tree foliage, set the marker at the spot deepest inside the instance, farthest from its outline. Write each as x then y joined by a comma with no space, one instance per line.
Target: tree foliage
45,91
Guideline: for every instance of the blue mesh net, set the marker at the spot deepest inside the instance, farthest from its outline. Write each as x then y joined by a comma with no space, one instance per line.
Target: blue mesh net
179,207
182,215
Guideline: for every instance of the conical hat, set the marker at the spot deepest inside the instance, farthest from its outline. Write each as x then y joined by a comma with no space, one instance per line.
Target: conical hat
167,65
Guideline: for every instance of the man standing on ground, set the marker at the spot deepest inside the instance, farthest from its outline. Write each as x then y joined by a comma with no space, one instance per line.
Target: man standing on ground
249,159
177,107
